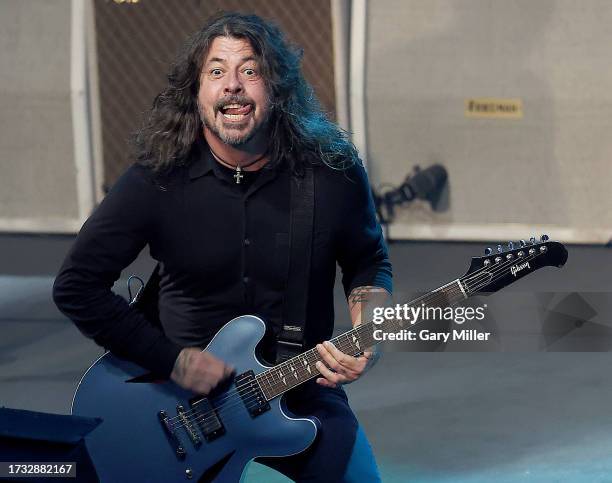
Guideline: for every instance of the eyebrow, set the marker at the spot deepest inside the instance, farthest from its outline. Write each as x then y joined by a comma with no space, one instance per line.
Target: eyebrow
222,61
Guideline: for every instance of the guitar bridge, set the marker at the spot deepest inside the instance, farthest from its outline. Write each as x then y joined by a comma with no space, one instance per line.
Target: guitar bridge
173,439
188,425
251,394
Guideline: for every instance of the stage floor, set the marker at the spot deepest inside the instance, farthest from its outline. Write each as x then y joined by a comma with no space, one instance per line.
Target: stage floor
431,417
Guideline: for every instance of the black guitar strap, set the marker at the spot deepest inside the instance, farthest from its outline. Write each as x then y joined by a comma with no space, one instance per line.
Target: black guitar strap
290,340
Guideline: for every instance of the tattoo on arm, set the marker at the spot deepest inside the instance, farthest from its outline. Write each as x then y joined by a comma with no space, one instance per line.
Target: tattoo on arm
362,299
359,295
361,302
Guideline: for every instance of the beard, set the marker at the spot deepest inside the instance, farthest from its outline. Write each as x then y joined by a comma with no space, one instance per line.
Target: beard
232,133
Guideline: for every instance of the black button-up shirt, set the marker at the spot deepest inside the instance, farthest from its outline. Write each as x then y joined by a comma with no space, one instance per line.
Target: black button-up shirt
223,250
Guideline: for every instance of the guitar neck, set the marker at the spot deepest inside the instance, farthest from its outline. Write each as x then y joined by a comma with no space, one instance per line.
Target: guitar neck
299,369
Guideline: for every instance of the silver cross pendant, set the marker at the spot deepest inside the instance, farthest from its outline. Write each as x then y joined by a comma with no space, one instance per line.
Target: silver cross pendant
238,176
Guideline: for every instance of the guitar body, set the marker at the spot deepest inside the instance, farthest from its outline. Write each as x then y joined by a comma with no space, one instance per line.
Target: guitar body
132,444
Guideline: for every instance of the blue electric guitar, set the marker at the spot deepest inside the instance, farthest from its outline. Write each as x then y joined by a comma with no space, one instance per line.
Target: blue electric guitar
155,431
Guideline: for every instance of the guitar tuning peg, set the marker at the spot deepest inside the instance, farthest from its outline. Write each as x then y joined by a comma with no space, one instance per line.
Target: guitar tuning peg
523,243
510,245
544,238
532,240
488,251
499,249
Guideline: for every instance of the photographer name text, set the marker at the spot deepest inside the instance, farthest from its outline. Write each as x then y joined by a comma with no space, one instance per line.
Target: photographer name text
428,335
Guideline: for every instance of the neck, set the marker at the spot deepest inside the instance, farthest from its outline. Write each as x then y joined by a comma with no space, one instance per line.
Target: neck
287,375
238,155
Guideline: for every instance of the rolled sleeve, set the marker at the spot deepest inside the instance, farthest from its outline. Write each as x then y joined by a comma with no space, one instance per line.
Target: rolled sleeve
362,252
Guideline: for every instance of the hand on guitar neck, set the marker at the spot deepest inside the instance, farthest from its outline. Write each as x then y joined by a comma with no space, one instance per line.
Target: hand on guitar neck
199,371
342,368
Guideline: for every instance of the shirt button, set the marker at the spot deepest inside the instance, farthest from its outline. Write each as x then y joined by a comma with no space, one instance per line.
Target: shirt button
246,279
247,242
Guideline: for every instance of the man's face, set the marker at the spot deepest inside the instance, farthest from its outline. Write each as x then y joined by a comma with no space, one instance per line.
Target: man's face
233,98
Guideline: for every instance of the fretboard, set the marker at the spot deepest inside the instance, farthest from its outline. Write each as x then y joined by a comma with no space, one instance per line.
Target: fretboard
293,372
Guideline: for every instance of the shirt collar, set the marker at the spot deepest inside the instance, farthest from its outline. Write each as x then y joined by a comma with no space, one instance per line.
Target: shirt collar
203,161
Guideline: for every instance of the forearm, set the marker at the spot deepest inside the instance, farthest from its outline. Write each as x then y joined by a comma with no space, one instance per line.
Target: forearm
362,301
107,319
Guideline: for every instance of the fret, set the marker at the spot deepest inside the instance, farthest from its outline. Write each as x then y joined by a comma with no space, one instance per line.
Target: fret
306,364
465,295
301,368
364,334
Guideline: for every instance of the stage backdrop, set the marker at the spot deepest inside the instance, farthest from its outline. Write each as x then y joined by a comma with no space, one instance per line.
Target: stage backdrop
137,41
77,76
45,169
532,153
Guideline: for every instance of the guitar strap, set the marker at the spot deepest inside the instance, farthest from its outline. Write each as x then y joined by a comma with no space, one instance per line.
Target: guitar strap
290,340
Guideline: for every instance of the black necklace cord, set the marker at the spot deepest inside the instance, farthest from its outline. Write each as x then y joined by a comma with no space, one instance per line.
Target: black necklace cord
237,166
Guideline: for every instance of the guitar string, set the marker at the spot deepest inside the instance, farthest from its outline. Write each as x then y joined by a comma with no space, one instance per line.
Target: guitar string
470,282
205,419
231,394
443,296
225,412
269,379
265,377
499,267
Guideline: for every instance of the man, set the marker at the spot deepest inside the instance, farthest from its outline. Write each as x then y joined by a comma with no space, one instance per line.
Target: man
210,195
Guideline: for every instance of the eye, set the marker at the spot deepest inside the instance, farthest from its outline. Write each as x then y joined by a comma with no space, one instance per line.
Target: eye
250,72
216,72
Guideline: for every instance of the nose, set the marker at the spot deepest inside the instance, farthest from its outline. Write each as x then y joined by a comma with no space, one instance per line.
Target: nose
233,83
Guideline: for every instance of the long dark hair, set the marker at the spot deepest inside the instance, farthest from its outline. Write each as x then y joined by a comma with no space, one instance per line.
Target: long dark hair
300,131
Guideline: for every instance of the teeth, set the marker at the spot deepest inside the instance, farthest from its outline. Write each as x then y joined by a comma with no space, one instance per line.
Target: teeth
234,117
233,106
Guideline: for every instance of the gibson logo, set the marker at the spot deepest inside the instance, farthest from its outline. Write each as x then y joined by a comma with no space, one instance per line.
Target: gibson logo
517,268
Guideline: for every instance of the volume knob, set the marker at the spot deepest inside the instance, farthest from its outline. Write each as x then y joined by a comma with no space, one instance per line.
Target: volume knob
488,251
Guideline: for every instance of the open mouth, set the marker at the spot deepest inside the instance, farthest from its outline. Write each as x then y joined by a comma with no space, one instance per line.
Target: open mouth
236,112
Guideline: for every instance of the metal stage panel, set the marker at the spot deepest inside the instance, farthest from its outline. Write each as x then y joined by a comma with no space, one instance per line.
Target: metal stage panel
45,170
510,177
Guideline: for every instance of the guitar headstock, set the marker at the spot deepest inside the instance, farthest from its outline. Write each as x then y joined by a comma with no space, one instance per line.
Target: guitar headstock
503,266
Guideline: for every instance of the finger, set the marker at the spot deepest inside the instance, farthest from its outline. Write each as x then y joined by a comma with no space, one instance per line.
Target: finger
351,373
324,382
341,357
333,363
202,388
362,362
329,359
333,377
216,371
229,370
365,357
